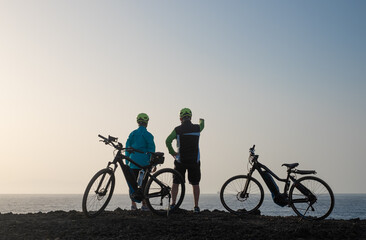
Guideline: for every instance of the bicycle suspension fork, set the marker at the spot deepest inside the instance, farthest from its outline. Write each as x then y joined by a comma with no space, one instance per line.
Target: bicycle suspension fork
244,193
102,180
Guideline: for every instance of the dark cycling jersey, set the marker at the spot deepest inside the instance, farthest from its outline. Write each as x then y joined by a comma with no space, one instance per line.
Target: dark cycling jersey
187,136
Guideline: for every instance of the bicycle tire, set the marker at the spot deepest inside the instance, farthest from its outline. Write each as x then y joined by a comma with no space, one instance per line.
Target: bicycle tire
231,190
94,202
158,198
308,207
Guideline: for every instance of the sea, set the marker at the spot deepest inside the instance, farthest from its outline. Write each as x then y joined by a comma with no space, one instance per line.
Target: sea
347,206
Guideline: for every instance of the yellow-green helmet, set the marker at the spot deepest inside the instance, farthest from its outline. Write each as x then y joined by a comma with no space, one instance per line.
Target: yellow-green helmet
142,117
185,112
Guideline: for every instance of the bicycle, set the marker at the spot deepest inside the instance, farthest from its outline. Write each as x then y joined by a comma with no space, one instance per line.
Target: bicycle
309,197
155,188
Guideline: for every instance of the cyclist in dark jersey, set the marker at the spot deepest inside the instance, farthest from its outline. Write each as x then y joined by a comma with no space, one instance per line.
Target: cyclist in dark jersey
188,156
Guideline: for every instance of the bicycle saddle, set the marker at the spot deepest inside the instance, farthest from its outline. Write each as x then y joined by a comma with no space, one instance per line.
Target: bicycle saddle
290,165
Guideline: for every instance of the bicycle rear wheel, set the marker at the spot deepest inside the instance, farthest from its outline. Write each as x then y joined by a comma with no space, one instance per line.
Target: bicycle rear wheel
98,193
311,198
233,198
158,191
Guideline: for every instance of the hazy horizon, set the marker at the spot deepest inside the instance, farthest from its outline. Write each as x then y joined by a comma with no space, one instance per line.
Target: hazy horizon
287,76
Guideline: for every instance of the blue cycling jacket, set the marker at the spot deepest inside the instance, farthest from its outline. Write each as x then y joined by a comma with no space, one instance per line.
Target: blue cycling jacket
142,140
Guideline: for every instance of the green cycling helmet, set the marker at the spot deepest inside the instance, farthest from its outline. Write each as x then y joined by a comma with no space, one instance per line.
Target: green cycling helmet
185,112
142,117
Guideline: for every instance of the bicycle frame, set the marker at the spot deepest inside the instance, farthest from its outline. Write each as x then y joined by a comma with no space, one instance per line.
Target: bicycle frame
261,168
155,189
310,197
128,174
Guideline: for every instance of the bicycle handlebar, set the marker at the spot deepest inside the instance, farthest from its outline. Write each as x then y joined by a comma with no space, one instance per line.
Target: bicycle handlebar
111,139
102,137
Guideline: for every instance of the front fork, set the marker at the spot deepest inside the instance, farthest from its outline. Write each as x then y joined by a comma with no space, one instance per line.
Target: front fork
244,193
104,190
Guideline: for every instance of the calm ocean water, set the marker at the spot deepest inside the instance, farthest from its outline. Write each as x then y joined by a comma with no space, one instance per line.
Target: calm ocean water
347,206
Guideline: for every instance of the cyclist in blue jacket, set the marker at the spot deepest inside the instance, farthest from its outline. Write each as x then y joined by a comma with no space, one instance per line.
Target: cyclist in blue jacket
142,140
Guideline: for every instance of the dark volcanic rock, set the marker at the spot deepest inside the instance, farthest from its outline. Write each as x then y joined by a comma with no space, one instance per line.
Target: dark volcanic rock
123,224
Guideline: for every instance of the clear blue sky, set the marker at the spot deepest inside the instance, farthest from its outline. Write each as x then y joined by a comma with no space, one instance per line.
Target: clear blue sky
288,76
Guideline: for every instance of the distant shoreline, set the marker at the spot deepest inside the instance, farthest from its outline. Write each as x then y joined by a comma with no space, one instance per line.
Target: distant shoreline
34,203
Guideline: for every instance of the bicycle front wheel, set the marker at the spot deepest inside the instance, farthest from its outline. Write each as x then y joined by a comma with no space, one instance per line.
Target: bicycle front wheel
235,200
98,193
311,198
164,192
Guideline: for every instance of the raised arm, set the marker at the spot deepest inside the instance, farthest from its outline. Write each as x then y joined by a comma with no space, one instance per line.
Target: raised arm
202,124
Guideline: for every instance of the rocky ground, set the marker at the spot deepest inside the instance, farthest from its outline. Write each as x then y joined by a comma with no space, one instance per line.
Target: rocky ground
123,224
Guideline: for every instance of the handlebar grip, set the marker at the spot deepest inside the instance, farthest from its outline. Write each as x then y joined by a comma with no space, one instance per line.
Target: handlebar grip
102,137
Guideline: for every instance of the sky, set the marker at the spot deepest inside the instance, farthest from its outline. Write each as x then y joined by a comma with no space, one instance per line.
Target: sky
287,76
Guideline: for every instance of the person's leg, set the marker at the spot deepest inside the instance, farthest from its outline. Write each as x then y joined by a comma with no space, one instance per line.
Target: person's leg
196,194
135,174
133,205
182,170
144,207
194,177
174,192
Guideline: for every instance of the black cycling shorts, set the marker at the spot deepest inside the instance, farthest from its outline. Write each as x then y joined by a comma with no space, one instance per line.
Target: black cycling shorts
194,171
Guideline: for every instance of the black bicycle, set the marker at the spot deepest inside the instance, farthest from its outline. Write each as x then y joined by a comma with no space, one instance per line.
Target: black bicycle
155,188
310,197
